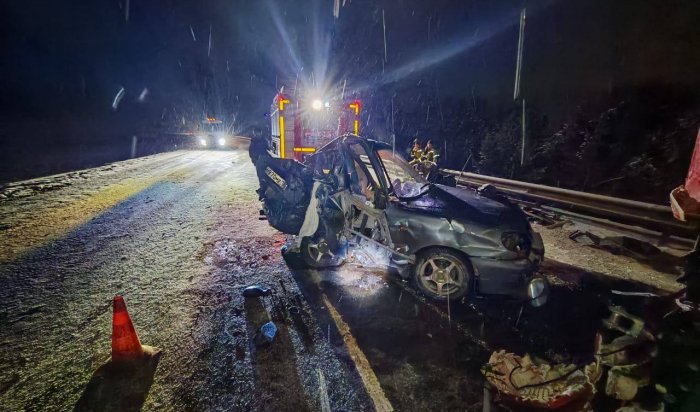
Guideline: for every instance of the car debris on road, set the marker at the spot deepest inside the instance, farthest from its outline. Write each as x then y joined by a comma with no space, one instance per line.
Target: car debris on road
526,381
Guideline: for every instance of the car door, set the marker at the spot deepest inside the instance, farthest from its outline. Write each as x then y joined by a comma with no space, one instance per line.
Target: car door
407,212
367,196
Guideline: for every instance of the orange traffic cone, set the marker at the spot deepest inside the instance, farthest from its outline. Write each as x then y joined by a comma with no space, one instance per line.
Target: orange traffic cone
125,342
122,383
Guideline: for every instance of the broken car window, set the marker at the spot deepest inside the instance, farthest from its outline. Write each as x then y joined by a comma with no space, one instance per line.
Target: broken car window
367,181
405,181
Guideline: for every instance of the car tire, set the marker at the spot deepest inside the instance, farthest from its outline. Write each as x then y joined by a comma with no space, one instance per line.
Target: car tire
315,255
441,274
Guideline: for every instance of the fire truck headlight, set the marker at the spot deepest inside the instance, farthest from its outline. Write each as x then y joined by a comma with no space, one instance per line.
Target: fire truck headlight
317,104
202,141
222,141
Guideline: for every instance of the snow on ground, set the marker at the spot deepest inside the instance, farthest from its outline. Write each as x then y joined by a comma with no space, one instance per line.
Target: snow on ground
559,247
178,235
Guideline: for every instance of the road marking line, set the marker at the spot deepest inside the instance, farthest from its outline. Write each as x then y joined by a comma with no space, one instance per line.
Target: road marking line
323,392
364,369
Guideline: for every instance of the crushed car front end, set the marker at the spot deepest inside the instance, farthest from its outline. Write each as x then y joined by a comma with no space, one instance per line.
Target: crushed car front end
486,229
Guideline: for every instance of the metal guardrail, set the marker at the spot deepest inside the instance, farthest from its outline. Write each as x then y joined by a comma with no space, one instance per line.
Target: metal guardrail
647,216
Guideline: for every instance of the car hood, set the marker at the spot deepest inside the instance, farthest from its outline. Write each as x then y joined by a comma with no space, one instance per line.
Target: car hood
465,204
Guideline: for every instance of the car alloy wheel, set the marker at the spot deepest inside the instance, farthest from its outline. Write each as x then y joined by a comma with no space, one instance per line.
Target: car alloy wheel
442,274
317,251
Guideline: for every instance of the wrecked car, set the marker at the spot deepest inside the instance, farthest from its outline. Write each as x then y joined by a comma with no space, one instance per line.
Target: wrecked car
356,200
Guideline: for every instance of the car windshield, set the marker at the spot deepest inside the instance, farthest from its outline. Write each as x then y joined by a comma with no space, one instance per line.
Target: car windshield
404,179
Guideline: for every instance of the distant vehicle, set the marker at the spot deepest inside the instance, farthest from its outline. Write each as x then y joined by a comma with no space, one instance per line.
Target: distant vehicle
213,134
375,209
302,125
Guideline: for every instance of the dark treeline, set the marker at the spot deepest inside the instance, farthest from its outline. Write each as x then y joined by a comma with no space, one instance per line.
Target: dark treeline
612,105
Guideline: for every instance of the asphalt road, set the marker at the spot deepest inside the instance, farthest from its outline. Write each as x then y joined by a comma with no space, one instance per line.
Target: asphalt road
179,236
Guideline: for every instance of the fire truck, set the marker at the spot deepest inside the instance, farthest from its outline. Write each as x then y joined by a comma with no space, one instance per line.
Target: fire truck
300,126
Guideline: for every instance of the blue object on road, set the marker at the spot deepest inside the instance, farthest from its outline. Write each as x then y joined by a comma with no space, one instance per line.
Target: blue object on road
269,330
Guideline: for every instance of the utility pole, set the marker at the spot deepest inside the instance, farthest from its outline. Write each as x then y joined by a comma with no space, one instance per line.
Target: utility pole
516,91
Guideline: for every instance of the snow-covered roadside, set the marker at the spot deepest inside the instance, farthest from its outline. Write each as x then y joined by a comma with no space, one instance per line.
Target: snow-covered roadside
559,247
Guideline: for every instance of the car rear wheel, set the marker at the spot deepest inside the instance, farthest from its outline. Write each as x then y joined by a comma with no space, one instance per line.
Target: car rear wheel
442,274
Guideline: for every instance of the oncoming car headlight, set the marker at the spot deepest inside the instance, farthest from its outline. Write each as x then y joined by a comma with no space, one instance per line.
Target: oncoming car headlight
222,141
202,141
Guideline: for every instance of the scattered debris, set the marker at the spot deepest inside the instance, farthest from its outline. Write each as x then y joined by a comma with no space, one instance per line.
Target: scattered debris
624,245
256,291
638,294
624,382
636,407
639,250
559,224
628,355
531,382
584,238
268,332
622,321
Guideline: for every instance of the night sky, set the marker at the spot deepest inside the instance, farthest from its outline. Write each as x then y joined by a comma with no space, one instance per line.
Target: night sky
64,63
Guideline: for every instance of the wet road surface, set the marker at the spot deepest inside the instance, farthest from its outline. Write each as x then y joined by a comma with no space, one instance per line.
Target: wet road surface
179,236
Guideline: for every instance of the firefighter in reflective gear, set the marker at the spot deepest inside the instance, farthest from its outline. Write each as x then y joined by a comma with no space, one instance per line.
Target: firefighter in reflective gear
416,153
429,153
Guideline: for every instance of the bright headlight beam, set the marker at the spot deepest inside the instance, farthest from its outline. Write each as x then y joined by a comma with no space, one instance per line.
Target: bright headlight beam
222,141
202,141
317,104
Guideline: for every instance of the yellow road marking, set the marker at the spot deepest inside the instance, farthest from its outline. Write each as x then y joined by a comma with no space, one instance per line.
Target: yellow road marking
364,369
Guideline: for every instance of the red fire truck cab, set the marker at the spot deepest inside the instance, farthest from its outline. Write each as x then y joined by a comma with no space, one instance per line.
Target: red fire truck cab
300,126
